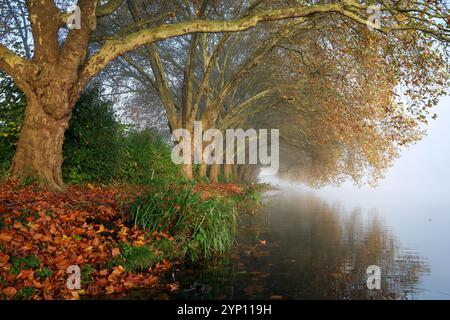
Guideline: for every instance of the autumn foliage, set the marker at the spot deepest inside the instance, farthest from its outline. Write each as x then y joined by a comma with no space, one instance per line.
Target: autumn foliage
43,233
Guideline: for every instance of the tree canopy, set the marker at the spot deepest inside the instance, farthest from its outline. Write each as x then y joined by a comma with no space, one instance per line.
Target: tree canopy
346,90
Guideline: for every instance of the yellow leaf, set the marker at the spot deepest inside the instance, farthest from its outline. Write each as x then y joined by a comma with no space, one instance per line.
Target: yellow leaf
110,289
101,229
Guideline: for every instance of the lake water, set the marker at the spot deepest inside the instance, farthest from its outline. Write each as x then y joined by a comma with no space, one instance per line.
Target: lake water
301,246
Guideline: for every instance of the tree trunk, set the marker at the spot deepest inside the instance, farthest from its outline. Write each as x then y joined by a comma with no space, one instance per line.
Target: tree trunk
203,170
235,172
227,172
214,173
39,150
188,172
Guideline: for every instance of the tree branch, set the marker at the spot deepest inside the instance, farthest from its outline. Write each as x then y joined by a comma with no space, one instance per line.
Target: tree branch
108,8
14,65
114,48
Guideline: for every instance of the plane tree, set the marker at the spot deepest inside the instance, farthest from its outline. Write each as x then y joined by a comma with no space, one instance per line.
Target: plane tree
64,61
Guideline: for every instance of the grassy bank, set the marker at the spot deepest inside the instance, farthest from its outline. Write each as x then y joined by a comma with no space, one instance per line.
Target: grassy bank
121,237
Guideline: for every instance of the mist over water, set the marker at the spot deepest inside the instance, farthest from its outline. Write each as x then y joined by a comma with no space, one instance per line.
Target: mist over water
413,199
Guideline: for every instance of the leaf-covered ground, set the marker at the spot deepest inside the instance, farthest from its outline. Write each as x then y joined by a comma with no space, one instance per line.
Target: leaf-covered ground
43,233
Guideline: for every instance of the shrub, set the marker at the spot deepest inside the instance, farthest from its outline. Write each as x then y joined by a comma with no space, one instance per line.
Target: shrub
96,147
91,145
201,227
145,158
12,110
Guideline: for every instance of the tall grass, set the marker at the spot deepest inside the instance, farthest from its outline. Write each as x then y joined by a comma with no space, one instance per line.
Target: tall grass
201,228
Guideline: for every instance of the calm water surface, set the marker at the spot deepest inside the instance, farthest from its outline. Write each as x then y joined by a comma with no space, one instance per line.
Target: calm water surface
304,246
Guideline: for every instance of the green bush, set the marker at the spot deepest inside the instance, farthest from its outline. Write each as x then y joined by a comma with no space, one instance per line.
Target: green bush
91,141
12,110
91,145
145,158
202,228
97,148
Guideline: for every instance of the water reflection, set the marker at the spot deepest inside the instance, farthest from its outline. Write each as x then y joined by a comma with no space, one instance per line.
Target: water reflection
301,247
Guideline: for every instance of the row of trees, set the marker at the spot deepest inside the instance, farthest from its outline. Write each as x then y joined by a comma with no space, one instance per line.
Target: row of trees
345,97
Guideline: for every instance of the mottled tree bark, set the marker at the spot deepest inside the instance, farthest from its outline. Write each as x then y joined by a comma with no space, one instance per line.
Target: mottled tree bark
39,150
214,172
188,172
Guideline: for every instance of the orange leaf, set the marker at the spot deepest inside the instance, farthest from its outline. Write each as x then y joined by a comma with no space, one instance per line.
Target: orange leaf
10,292
173,287
102,282
103,272
110,289
115,252
37,236
96,242
5,237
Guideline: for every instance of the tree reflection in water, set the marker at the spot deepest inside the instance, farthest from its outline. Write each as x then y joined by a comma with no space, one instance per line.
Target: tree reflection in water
301,247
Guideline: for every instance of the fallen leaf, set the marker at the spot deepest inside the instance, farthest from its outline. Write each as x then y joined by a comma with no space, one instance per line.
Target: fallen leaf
173,286
5,237
101,229
75,295
10,292
110,289
96,242
115,252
